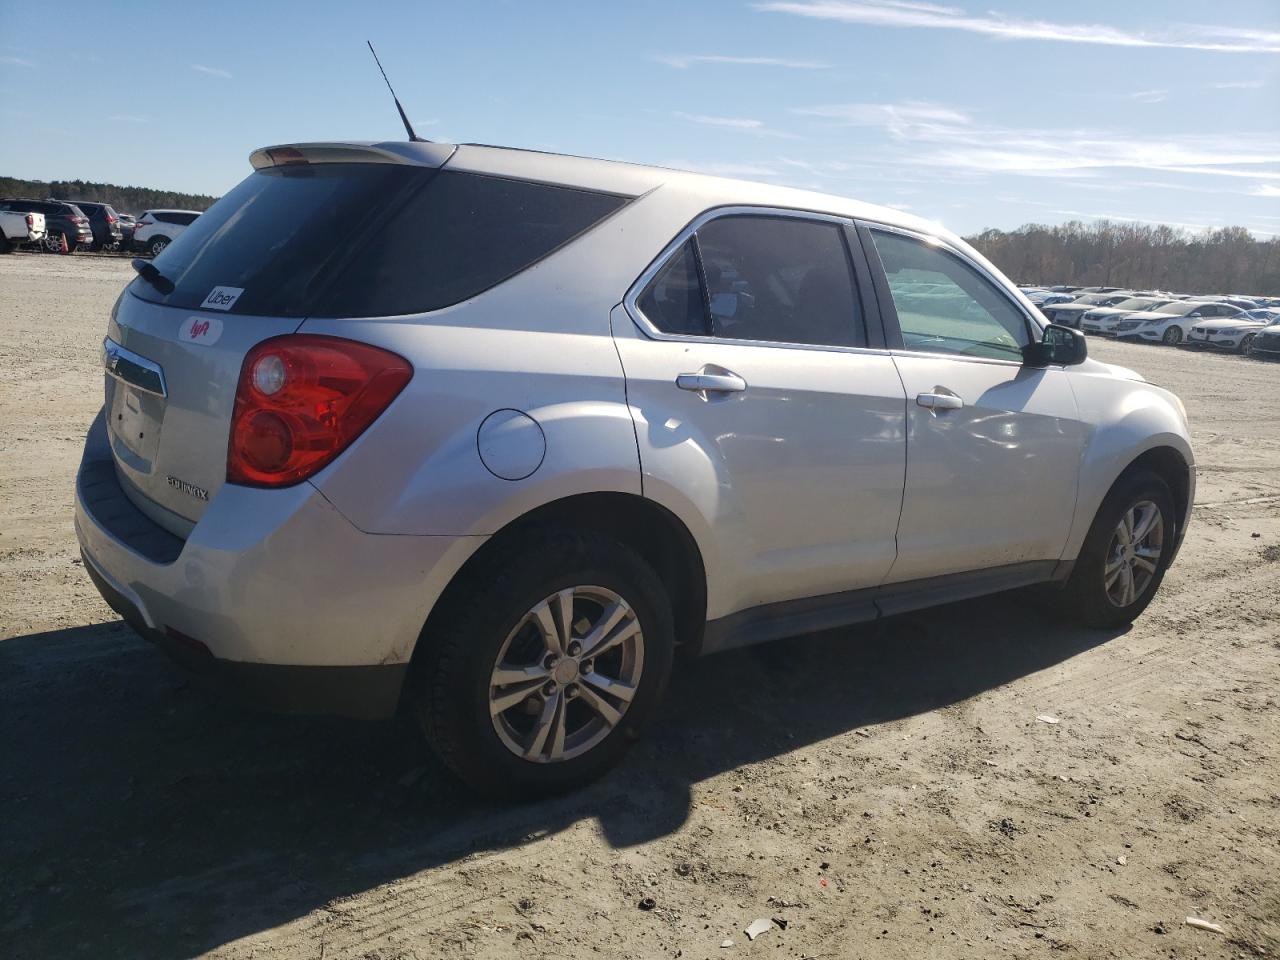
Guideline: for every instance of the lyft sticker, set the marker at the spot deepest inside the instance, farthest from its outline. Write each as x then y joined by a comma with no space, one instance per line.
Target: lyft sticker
202,330
222,298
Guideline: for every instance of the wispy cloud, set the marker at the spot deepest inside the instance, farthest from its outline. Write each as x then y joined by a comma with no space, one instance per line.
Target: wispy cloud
1150,96
945,138
748,170
891,115
745,125
128,118
889,13
1239,85
212,71
16,62
683,61
1267,190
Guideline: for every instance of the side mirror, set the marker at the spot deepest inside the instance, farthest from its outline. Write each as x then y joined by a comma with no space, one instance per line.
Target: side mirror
1059,346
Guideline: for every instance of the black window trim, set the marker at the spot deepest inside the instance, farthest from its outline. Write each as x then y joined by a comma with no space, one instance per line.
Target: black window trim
854,253
889,311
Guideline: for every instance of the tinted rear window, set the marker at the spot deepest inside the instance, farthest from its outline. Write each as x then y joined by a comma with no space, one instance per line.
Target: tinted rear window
348,240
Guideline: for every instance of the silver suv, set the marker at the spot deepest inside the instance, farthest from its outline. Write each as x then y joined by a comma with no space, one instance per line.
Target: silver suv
488,434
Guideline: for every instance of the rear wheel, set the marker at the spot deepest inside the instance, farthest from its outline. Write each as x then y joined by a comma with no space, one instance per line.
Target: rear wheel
5,245
1125,554
156,245
1173,336
545,664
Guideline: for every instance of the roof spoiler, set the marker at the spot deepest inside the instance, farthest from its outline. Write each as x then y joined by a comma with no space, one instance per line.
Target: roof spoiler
418,154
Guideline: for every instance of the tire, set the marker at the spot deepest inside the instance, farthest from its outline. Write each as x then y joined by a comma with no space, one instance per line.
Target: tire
5,245
503,613
1089,597
156,245
1246,344
1172,336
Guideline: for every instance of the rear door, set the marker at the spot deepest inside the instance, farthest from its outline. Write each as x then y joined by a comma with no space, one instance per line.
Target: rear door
993,447
760,394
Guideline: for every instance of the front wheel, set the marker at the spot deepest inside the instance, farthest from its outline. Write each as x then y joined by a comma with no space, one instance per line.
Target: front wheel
1125,553
544,664
1246,344
1173,336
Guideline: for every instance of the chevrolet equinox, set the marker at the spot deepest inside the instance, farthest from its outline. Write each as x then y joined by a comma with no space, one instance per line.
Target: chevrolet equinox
488,434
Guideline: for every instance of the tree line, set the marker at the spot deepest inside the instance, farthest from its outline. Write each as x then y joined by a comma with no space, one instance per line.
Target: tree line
132,200
1136,256
1101,253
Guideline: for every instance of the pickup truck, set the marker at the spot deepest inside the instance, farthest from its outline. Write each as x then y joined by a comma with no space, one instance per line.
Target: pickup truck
18,228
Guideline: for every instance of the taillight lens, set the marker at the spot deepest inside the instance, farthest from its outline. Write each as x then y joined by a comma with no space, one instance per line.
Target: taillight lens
31,221
301,400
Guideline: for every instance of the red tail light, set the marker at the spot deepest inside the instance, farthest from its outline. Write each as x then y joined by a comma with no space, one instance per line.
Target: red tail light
112,218
301,400
31,221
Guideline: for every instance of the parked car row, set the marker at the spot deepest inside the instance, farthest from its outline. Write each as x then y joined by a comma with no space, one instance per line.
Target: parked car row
1205,322
68,226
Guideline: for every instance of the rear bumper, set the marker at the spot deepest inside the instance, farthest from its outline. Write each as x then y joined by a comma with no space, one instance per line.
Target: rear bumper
364,692
274,593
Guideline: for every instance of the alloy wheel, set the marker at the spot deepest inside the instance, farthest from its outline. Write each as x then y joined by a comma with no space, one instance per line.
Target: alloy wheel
1173,335
1246,344
566,675
1133,555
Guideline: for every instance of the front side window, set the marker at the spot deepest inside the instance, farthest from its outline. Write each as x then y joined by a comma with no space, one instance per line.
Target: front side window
765,278
944,305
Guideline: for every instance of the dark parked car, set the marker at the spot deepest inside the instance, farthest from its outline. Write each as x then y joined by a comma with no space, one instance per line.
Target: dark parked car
1266,344
128,223
61,220
104,222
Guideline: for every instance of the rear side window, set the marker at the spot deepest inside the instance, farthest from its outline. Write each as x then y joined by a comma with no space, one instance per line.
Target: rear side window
767,278
673,299
368,240
458,236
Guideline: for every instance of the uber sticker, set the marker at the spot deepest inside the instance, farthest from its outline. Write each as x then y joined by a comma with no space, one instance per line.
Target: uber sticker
202,330
222,298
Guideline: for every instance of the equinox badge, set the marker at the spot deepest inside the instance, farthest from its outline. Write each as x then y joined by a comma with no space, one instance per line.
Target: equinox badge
190,489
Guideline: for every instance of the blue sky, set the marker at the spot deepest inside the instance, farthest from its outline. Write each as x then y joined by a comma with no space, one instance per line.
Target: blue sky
970,114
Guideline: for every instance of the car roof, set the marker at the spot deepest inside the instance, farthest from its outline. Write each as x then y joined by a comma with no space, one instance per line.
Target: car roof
167,210
611,176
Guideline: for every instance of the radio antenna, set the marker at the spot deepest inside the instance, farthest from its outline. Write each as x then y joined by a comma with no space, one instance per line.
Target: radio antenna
408,127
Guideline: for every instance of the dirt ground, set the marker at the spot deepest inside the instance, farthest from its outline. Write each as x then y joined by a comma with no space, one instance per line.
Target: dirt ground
885,792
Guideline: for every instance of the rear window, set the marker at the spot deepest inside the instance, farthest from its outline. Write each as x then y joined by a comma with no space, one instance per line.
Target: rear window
367,240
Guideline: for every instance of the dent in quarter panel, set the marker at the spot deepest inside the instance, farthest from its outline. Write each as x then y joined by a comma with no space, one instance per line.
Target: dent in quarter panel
418,470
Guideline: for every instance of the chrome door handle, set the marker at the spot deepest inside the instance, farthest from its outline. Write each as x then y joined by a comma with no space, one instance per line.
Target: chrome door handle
711,382
940,401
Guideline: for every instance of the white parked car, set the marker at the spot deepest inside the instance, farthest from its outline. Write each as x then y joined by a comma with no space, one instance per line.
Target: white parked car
1235,334
558,417
156,229
1172,323
19,228
1104,319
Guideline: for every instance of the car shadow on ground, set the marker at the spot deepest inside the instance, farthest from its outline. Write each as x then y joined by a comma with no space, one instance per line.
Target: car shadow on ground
142,817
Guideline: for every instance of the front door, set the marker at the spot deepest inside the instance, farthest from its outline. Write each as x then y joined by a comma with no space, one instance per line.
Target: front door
993,447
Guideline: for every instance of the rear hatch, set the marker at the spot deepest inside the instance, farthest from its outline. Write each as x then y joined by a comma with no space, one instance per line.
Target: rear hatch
254,266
